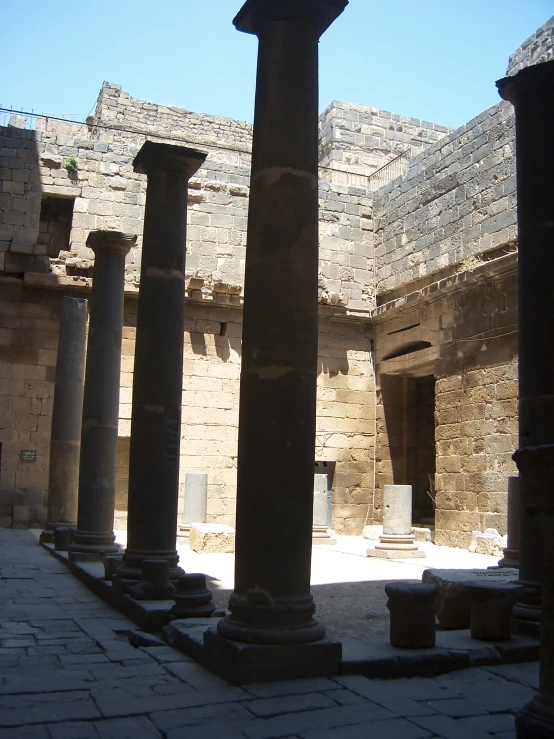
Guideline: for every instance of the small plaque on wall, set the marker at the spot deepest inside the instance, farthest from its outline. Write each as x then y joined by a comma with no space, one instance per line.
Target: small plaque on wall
28,455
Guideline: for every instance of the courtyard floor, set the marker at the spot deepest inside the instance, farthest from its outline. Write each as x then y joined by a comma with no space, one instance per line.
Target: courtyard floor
67,670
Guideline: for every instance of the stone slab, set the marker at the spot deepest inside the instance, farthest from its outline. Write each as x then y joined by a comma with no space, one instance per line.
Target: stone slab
453,602
212,538
395,553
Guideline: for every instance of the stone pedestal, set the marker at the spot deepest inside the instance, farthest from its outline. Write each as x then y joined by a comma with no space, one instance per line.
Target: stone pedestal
397,540
158,370
67,412
412,614
511,552
321,515
97,468
271,604
196,501
491,609
532,93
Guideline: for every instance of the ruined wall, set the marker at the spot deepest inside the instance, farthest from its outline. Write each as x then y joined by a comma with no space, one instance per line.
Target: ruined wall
538,48
457,200
360,140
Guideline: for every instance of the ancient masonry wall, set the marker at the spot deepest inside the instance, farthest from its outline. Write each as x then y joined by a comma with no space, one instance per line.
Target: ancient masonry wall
468,342
457,201
105,193
361,139
538,48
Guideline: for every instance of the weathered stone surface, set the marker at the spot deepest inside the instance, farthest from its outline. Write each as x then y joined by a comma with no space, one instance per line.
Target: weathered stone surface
212,538
454,602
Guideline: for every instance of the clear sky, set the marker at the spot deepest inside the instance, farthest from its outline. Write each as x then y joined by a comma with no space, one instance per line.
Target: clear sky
437,60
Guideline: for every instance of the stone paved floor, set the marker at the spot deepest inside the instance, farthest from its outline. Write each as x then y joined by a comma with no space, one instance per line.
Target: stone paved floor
67,671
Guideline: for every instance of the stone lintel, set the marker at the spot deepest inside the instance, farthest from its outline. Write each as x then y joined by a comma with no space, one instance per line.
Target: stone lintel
111,240
168,156
320,13
538,78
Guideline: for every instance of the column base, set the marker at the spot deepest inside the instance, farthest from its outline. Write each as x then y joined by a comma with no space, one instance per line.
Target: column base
510,558
403,542
241,663
131,569
533,722
94,543
47,534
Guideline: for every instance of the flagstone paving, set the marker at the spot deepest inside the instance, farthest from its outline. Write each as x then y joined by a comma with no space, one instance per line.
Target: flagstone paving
68,671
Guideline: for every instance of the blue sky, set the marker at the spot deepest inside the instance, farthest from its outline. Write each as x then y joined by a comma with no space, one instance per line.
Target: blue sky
436,60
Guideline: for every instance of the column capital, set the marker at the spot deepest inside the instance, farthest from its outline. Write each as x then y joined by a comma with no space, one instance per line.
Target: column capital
111,241
538,78
320,13
168,156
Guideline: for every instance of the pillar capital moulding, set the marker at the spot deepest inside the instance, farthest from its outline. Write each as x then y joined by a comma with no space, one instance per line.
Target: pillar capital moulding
528,83
111,241
254,14
167,157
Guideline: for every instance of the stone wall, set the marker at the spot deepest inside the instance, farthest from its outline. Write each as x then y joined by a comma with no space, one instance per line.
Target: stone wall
538,48
457,200
360,140
464,336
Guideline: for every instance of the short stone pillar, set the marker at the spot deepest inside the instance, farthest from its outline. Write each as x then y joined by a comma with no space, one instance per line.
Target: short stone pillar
67,412
511,552
196,501
321,523
271,603
98,463
397,540
491,609
412,614
158,370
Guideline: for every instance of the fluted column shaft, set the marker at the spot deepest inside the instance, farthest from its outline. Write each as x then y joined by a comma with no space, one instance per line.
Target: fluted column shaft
97,469
532,93
158,369
271,602
67,412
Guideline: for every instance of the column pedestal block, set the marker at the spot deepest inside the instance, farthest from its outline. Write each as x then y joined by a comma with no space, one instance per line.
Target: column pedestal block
242,663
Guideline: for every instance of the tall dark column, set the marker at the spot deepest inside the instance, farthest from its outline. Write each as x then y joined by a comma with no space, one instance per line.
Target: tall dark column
67,412
532,93
271,602
158,373
97,469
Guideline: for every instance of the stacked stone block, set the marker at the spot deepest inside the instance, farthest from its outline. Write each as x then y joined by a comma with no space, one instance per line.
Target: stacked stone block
538,48
456,202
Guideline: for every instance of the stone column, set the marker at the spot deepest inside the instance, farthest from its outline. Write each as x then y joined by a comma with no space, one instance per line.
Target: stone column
67,411
532,93
97,469
511,552
397,540
196,501
271,602
158,372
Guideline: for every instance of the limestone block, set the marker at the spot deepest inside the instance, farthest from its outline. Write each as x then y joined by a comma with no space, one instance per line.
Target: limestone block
212,538
454,602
